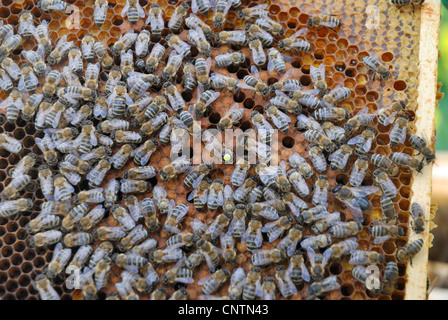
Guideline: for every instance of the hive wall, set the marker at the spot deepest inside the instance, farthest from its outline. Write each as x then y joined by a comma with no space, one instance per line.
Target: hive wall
395,42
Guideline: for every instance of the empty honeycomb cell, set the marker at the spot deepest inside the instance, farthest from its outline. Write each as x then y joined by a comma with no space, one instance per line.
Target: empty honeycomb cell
21,233
38,262
29,254
248,103
405,192
214,118
350,83
305,80
9,238
347,289
321,43
338,77
404,204
400,85
288,142
329,60
16,259
6,251
383,139
372,96
12,226
26,267
340,66
294,12
335,269
21,294
14,272
66,296
389,247
4,12
292,24
11,285
342,43
8,296
303,18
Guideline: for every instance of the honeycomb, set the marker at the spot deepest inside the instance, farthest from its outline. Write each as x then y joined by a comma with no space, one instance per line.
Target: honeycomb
395,42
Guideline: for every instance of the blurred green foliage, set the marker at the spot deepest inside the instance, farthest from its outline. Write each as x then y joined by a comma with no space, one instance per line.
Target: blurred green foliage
442,110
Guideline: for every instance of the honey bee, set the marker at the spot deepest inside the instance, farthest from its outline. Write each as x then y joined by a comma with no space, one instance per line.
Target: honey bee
345,247
220,12
390,278
297,269
319,21
270,25
407,161
109,234
194,177
213,282
12,190
297,180
360,257
28,81
282,101
228,247
13,104
36,59
87,44
280,120
289,243
42,37
134,186
418,216
210,253
359,171
237,281
200,194
377,67
175,215
178,275
345,229
105,59
232,117
77,239
75,61
92,218
5,81
135,236
11,68
248,185
58,262
204,101
383,180
384,163
219,81
159,294
228,59
318,288
42,283
318,78
197,38
45,238
154,124
133,10
127,63
81,256
181,47
12,207
102,251
102,271
172,170
254,82
387,115
340,157
252,287
52,80
255,12
155,20
51,6
324,221
317,137
98,172
383,232
318,263
236,37
10,44
202,72
294,44
140,173
178,17
139,83
284,282
320,193
421,145
60,51
258,54
277,61
399,130
217,226
26,25
154,57
316,242
99,15
91,196
355,198
189,77
266,257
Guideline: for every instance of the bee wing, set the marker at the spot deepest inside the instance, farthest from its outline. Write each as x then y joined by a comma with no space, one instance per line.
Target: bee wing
379,240
21,84
271,65
209,262
203,280
363,191
334,155
298,33
245,86
355,210
311,255
368,145
354,140
268,226
390,118
124,11
255,72
314,73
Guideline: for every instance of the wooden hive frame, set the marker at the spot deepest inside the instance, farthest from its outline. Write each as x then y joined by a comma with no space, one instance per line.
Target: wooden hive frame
416,272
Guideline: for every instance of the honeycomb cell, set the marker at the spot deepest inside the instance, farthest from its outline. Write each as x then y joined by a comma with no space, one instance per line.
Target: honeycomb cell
400,85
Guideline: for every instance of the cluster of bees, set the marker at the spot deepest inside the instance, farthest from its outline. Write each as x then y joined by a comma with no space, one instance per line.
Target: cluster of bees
92,127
